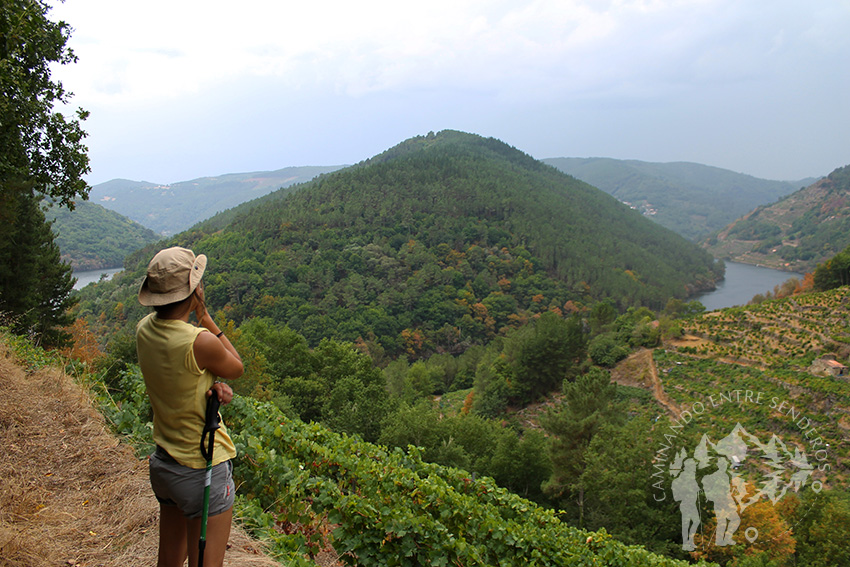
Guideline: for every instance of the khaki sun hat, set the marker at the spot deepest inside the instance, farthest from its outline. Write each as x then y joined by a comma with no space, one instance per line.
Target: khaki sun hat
172,276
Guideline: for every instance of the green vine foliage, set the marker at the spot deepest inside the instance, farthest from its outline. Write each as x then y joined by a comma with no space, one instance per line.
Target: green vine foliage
28,354
392,508
303,487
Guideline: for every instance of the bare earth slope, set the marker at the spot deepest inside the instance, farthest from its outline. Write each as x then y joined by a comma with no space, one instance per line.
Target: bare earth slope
71,493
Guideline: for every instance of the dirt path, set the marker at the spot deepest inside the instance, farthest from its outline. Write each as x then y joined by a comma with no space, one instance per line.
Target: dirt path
639,370
658,389
72,494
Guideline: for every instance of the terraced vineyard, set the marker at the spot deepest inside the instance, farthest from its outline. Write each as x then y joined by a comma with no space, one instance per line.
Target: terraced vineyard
790,331
783,402
751,365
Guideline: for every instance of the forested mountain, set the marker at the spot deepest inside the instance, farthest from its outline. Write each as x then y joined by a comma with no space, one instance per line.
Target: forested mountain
691,199
92,237
797,233
172,208
439,243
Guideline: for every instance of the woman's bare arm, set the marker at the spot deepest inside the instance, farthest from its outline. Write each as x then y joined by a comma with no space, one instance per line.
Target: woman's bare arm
213,350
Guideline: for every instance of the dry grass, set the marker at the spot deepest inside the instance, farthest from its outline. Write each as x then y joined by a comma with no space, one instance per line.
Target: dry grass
71,493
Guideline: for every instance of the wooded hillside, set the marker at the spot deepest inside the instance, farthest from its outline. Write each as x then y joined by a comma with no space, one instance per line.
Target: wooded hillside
434,245
691,199
797,233
92,237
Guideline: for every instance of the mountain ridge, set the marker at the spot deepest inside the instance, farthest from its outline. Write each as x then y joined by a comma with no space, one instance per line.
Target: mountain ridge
796,233
690,198
173,207
741,192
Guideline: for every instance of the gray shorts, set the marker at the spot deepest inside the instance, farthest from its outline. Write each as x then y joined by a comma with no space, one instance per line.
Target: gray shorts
176,485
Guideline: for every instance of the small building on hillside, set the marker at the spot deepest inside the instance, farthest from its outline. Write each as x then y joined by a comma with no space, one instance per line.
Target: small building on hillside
828,366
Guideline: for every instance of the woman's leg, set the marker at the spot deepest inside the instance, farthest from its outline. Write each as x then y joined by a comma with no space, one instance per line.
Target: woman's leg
172,537
218,532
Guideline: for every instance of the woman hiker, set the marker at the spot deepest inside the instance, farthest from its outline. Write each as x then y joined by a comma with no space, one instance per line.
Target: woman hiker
180,364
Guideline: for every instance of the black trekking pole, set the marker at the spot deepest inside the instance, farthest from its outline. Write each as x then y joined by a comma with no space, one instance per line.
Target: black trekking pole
212,422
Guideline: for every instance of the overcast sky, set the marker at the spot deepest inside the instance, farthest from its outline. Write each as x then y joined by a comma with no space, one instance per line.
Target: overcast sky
180,89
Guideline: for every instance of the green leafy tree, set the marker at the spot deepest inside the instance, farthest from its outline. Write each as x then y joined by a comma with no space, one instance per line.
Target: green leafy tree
617,482
544,354
357,408
833,273
521,464
675,307
333,382
493,376
636,328
40,147
335,360
41,155
330,365
417,424
284,351
424,379
604,350
395,376
515,460
602,316
822,529
693,308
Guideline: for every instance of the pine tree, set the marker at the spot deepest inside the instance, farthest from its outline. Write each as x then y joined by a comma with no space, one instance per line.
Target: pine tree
588,405
35,285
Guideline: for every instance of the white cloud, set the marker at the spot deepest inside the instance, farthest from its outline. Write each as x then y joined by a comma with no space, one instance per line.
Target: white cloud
163,49
166,48
621,63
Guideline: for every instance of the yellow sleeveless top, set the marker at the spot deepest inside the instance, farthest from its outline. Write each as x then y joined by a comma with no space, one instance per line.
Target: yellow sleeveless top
177,389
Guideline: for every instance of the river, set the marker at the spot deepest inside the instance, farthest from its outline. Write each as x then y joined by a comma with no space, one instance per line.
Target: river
742,283
91,276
